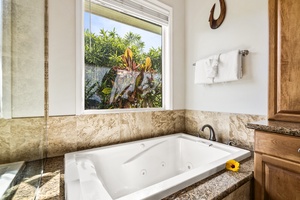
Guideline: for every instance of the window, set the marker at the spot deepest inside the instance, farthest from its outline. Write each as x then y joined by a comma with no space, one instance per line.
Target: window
126,55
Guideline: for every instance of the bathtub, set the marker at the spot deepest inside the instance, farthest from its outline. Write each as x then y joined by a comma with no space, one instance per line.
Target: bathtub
145,169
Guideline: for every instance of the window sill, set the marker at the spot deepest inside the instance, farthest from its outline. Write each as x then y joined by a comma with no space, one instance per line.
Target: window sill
119,111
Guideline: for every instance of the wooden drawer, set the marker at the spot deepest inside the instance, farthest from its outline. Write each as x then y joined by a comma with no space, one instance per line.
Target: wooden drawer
282,146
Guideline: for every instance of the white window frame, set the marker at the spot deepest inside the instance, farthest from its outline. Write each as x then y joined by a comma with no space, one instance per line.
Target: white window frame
167,73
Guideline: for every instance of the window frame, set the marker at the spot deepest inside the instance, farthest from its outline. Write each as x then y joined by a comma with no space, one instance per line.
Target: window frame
167,75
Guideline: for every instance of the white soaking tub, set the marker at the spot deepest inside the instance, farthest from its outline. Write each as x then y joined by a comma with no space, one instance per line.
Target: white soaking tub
145,169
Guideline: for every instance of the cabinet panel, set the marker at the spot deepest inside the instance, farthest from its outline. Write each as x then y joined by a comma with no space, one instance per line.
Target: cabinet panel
276,178
284,60
282,146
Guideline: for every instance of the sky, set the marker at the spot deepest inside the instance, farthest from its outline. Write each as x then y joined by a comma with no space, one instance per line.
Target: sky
150,39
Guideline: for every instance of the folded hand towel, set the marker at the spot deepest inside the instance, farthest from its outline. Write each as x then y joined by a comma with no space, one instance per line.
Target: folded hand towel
212,66
201,73
230,67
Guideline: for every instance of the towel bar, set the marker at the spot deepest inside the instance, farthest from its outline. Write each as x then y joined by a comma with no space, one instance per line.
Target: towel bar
243,52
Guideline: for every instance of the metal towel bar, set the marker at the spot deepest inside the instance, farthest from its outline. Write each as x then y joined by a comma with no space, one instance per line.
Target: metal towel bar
243,52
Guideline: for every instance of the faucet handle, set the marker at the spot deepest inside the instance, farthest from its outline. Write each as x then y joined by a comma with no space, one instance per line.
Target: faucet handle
231,143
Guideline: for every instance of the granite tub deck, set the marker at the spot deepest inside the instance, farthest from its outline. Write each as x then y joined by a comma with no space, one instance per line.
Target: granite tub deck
217,186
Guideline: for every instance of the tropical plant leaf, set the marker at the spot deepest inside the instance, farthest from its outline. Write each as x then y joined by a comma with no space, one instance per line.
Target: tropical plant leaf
106,91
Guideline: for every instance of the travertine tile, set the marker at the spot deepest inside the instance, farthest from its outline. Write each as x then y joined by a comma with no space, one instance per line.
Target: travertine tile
239,133
163,123
97,130
219,121
227,126
191,122
72,133
5,137
62,136
26,139
195,120
135,126
179,121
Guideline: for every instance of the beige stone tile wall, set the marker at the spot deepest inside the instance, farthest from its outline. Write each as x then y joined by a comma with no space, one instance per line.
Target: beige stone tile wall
72,133
20,139
227,126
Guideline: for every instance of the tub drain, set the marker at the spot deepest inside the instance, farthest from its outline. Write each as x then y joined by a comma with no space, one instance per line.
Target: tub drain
163,164
143,172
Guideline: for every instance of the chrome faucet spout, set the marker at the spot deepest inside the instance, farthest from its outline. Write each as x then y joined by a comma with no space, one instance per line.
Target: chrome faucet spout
212,134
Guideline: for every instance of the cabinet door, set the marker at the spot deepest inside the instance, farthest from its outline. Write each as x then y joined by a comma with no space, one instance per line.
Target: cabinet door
276,178
284,60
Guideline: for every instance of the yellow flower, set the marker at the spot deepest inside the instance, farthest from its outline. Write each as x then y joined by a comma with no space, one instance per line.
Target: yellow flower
232,165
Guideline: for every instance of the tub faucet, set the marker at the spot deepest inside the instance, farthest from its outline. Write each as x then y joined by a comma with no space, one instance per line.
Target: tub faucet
212,135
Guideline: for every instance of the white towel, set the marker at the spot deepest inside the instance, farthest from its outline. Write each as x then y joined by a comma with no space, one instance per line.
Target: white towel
206,70
230,67
201,72
211,67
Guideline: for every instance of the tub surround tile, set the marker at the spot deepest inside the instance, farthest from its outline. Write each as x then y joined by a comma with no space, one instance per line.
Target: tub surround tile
163,123
135,126
179,121
5,136
97,130
239,133
72,133
280,127
227,126
196,119
62,137
21,139
26,139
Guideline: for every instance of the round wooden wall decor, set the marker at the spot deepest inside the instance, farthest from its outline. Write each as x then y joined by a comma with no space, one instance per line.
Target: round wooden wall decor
215,23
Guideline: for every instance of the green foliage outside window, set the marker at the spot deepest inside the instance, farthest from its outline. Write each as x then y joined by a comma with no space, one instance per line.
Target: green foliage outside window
127,77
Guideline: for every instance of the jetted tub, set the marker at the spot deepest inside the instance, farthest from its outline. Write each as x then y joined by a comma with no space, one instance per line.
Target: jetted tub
145,169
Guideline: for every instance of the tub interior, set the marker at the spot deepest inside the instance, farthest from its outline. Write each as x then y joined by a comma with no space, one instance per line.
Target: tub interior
127,169
151,164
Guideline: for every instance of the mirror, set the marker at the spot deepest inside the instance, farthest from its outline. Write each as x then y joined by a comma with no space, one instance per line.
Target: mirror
22,121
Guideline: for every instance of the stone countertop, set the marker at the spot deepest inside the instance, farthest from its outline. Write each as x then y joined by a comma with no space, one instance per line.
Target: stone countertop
217,186
280,127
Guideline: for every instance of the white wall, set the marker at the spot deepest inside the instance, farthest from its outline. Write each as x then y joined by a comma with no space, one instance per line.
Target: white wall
178,44
245,27
62,56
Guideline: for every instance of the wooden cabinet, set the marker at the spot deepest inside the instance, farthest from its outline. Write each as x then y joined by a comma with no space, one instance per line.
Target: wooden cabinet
277,166
284,60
